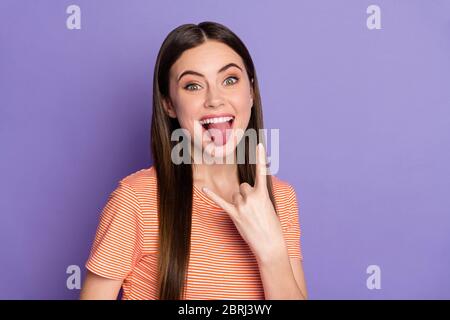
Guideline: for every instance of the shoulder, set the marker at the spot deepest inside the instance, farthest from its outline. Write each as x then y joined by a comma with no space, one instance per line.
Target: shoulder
283,191
143,185
142,176
285,201
137,190
142,182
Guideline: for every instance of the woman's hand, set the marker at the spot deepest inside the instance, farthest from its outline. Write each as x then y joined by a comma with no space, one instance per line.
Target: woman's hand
253,213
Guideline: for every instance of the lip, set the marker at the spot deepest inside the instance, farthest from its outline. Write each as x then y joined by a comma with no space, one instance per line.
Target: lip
209,116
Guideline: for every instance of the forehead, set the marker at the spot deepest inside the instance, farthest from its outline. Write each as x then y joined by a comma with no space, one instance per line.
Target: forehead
206,58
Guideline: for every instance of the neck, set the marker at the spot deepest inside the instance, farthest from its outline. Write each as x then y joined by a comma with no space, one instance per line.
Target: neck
217,175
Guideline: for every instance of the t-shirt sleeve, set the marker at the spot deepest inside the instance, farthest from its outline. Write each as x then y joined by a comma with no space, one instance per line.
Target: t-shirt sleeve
118,240
292,232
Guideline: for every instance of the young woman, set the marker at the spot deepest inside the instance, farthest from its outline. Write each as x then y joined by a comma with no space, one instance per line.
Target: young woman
196,230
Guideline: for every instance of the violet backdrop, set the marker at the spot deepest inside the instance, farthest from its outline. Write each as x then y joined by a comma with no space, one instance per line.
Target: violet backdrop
364,119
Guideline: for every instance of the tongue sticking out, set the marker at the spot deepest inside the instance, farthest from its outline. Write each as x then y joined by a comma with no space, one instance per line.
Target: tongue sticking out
220,132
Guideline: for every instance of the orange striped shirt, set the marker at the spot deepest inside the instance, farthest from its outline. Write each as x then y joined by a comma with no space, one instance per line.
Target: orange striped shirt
221,266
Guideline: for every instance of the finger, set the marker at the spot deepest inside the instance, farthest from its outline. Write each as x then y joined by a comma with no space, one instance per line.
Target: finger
237,198
261,169
225,205
245,189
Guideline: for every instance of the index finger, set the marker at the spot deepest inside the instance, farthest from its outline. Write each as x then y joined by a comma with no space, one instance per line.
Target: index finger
225,205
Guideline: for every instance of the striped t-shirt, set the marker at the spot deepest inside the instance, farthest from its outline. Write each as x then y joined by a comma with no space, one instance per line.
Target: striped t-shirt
221,265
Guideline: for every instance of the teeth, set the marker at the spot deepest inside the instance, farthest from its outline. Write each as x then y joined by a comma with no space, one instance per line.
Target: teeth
215,120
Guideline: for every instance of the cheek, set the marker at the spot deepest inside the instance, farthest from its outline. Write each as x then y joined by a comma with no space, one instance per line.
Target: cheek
185,120
187,108
241,100
242,105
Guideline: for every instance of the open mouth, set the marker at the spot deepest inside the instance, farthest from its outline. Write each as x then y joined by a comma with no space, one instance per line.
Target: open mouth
219,128
217,122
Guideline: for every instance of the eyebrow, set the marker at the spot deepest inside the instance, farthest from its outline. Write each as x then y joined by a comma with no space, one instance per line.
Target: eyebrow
225,67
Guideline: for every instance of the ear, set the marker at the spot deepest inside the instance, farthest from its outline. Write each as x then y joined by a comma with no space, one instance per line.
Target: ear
168,107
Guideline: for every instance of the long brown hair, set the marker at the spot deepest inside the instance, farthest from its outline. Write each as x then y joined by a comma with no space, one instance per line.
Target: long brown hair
175,181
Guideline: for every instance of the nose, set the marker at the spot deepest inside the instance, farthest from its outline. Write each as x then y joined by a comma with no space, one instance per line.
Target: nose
213,98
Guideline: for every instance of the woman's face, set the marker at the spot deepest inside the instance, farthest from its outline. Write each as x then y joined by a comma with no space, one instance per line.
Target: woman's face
212,96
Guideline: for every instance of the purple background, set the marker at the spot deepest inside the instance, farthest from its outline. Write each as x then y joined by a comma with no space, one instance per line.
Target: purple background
364,118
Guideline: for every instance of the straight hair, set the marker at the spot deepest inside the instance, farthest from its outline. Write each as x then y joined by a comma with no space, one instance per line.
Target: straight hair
175,181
